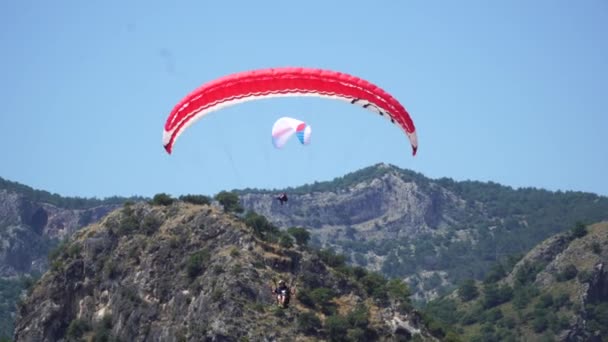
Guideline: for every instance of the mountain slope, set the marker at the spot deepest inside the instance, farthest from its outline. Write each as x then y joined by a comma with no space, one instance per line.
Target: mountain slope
184,272
32,222
435,233
556,292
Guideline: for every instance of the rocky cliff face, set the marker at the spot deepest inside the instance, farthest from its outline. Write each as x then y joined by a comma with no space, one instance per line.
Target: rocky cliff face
27,228
387,207
188,272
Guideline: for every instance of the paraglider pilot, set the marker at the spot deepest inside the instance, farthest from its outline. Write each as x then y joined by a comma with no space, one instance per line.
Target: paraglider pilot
283,293
282,198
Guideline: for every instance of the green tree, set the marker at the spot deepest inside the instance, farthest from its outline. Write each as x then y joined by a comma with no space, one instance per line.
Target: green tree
230,201
308,323
569,272
196,199
196,263
336,327
261,226
495,295
285,241
162,199
545,301
496,272
321,298
76,329
373,283
301,235
468,291
540,323
398,289
579,230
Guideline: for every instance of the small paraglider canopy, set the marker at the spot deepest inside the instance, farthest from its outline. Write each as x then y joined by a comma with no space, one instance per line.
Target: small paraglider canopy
285,127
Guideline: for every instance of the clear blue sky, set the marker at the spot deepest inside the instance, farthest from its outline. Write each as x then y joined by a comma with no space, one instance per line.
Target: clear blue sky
509,91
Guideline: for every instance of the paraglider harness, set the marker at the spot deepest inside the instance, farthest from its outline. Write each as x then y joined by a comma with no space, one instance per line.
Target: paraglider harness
283,291
282,198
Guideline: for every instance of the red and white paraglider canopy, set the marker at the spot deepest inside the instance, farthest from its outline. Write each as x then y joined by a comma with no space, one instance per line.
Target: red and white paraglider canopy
264,83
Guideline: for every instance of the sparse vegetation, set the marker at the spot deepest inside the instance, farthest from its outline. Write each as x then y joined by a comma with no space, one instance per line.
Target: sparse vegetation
77,329
129,222
103,330
150,225
196,263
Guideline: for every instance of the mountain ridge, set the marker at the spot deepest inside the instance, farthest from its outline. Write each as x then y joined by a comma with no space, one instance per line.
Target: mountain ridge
433,233
389,219
183,272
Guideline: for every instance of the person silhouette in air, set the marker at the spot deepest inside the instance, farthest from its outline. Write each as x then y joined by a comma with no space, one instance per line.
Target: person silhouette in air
282,198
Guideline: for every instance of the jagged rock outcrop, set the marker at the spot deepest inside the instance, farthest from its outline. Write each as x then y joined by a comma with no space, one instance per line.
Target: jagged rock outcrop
188,272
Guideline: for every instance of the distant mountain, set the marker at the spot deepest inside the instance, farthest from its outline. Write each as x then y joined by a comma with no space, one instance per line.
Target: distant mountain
42,196
28,230
556,292
184,272
32,221
435,233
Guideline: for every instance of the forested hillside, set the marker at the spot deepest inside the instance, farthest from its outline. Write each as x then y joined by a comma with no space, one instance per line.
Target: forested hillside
556,292
435,233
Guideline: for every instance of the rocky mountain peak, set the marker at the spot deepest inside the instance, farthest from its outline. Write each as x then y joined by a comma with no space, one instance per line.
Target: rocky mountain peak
185,272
